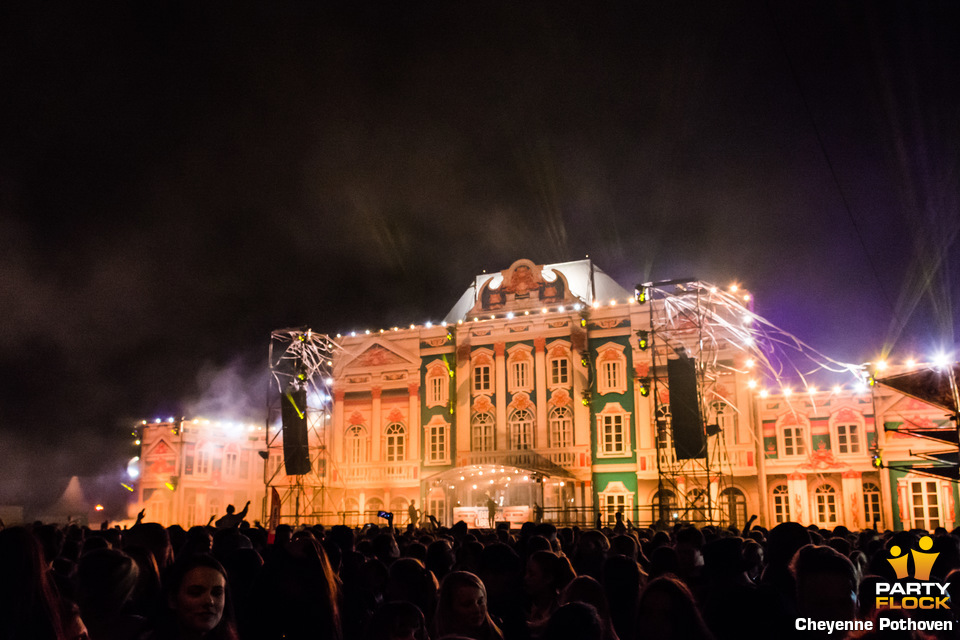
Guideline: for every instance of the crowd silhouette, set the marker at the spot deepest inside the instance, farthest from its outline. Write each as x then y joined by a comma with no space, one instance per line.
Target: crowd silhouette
237,581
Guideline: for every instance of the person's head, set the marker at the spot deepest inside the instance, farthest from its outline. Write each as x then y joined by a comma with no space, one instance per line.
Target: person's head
667,610
826,583
574,621
462,606
106,579
197,598
230,509
73,626
397,621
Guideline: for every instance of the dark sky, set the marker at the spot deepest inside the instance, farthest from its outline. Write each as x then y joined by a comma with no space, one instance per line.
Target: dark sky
178,179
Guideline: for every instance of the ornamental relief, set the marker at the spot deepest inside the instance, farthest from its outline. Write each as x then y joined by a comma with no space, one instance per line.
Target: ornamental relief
520,401
482,404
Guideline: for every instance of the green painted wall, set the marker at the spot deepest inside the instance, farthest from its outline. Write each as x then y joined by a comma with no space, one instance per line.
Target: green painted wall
447,412
598,402
629,480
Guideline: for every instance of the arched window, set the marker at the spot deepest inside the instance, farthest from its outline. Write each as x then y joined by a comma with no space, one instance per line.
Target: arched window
697,505
781,504
561,427
871,505
520,425
664,505
825,498
231,461
374,506
733,507
616,498
483,431
396,442
355,445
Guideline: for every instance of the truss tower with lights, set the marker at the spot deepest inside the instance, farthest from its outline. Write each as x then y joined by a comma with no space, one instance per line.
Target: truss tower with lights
301,365
684,328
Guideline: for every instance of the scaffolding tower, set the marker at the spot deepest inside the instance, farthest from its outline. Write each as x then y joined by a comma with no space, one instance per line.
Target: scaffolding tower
300,361
683,323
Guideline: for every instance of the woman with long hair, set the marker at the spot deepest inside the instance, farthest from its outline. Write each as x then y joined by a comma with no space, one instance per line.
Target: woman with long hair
462,609
197,602
29,605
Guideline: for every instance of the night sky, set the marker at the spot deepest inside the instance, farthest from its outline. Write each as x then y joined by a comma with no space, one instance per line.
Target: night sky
179,179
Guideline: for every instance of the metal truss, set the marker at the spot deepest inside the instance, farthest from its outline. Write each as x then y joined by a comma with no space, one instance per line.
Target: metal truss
300,360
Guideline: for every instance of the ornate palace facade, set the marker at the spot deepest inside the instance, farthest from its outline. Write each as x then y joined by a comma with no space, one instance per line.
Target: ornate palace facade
539,391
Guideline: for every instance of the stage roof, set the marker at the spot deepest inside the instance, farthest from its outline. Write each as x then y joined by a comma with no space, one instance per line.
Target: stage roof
928,384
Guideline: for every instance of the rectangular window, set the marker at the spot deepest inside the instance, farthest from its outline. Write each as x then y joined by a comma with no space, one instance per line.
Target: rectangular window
560,429
848,438
438,443
871,508
230,462
926,504
615,503
613,435
519,375
244,464
482,433
481,378
559,371
188,459
611,375
793,444
436,390
781,507
275,462
827,508
203,462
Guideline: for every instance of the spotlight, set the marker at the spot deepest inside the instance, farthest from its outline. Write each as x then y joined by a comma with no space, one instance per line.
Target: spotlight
941,360
643,339
644,387
877,460
642,294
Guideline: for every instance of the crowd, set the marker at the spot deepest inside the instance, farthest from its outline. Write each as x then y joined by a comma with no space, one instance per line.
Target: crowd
537,583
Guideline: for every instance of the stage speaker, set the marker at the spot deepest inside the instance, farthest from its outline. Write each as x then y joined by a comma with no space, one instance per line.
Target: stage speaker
689,440
296,450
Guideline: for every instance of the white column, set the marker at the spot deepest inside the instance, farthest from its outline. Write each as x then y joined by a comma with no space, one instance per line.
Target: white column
851,492
413,421
500,367
799,499
337,452
462,386
376,430
541,439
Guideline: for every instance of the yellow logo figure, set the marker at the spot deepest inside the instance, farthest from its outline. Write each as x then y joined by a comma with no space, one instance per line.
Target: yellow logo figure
922,562
899,564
